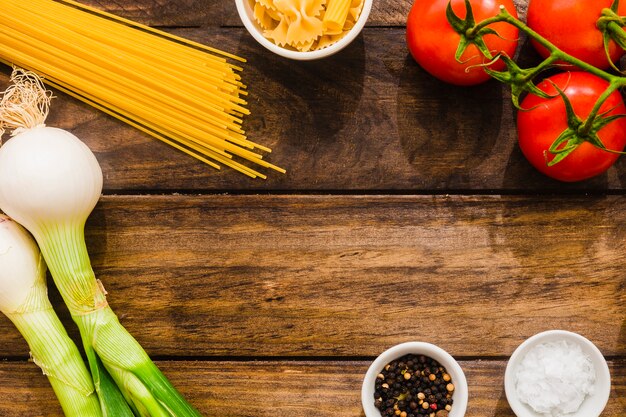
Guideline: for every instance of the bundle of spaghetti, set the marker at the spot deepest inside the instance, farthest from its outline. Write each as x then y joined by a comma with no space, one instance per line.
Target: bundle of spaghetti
183,93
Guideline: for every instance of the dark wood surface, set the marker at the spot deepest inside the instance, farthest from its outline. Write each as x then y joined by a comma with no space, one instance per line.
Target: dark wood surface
383,124
300,388
348,275
407,213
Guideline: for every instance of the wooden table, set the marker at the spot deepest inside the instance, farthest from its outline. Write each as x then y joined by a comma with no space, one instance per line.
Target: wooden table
407,213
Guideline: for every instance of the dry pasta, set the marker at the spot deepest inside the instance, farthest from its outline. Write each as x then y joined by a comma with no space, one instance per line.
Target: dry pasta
335,16
185,94
306,25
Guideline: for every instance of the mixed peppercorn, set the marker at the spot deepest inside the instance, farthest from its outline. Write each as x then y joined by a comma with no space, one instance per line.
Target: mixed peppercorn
413,386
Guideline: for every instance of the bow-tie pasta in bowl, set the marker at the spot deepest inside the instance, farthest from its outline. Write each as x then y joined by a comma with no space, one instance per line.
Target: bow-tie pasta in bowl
304,29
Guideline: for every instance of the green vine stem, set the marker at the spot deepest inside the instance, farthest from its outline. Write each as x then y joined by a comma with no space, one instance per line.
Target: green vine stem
611,25
585,128
555,53
521,79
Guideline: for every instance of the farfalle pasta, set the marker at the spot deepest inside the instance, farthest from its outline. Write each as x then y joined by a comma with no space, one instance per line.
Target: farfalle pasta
306,25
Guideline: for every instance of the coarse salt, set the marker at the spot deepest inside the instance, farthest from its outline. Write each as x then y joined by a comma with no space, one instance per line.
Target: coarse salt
555,377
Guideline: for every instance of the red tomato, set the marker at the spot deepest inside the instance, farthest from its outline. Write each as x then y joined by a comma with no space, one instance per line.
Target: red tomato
571,26
433,42
545,119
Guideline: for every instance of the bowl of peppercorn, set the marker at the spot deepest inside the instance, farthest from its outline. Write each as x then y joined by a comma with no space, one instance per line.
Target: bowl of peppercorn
414,379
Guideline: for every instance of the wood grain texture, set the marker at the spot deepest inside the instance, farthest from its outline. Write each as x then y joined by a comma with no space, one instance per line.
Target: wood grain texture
213,13
294,389
366,119
384,124
310,276
169,13
275,304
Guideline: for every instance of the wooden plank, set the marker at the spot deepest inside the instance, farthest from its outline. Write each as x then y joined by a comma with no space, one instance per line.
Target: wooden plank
382,124
350,275
212,13
218,12
177,13
295,389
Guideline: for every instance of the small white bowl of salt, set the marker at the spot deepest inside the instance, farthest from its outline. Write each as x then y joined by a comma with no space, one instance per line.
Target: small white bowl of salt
557,374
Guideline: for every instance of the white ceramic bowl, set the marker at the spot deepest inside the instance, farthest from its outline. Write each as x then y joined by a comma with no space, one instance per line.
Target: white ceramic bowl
592,406
245,9
460,395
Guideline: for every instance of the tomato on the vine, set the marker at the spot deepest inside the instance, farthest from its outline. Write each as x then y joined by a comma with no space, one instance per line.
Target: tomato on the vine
433,42
542,120
571,26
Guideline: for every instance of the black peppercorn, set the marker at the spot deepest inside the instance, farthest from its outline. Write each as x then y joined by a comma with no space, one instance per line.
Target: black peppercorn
413,386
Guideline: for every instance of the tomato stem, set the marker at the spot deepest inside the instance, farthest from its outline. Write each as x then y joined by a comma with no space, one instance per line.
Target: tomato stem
555,53
585,129
521,80
612,24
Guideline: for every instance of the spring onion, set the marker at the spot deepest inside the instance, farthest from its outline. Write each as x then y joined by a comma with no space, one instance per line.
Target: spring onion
24,300
50,182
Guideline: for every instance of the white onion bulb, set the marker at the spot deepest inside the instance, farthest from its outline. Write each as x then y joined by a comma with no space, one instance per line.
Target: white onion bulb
21,266
48,177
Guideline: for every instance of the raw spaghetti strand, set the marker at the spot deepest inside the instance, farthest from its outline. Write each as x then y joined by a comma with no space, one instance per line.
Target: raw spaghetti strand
216,154
239,109
149,29
182,93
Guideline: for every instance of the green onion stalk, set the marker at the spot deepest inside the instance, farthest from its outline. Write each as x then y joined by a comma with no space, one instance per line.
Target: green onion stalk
521,80
50,182
24,300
